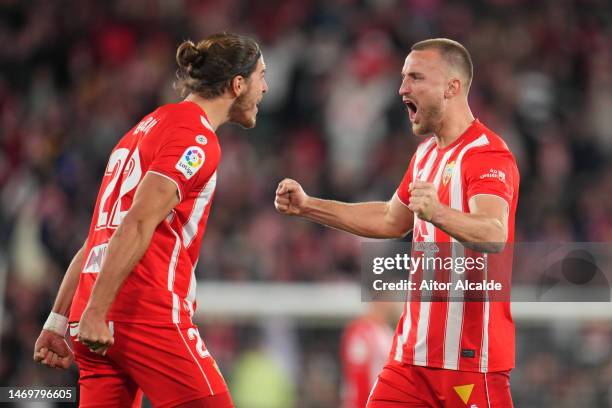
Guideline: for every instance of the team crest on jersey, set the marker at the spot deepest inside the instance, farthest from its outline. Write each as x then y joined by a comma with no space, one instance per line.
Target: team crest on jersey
191,161
201,139
448,172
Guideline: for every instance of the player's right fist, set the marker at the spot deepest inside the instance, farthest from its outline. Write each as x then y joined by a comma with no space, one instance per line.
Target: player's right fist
290,198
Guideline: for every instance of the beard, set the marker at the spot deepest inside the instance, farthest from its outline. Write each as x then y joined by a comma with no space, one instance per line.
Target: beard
239,112
430,120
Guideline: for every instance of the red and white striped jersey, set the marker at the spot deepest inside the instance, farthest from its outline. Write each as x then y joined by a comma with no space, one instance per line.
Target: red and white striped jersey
363,351
177,142
459,335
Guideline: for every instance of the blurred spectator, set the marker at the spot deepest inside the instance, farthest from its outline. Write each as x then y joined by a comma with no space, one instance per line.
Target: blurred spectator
364,350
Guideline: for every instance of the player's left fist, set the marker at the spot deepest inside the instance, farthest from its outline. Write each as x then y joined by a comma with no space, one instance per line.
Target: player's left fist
94,332
424,200
52,350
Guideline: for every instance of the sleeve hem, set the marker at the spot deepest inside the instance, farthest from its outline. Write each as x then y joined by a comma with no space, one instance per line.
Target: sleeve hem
178,187
491,194
400,198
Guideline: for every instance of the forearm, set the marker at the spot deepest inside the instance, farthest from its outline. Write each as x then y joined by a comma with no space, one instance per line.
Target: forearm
125,248
477,231
363,219
63,301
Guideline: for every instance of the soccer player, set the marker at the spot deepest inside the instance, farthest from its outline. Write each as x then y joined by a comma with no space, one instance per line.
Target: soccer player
363,352
461,186
131,288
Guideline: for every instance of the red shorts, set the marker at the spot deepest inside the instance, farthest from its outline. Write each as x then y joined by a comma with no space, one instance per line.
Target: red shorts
170,364
405,385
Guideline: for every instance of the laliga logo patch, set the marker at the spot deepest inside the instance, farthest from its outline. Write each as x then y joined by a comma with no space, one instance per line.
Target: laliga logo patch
201,139
191,161
448,172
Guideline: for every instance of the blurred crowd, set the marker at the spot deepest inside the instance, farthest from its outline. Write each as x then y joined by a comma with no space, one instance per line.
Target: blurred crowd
77,75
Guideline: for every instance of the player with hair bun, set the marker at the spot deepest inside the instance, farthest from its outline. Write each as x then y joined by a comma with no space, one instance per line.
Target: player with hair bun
129,293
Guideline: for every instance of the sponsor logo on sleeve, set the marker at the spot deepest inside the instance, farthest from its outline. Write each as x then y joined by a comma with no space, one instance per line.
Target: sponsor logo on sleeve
494,174
201,139
93,264
191,161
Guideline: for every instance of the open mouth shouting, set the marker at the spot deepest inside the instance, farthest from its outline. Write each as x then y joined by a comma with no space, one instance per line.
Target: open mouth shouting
412,108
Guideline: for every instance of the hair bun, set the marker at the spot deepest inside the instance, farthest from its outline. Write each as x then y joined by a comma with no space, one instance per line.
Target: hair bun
186,54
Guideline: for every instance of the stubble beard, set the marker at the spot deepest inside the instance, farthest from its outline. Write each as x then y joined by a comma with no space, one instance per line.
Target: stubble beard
238,113
431,120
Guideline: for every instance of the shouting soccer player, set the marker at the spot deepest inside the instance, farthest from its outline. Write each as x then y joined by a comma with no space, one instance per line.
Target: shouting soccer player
461,186
131,288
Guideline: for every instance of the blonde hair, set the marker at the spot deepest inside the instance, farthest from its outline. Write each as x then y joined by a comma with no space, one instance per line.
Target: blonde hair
455,55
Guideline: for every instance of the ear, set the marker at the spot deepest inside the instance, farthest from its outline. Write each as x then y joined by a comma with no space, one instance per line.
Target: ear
453,89
238,85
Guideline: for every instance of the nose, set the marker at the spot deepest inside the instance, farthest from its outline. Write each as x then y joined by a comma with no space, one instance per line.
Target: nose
265,86
404,88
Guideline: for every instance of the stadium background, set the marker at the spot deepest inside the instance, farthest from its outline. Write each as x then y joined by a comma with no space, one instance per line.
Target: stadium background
77,75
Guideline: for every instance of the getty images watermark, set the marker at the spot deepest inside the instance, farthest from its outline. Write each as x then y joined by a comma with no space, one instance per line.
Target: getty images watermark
535,271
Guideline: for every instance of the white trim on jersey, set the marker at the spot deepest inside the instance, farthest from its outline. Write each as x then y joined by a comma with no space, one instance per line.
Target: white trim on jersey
178,189
420,153
176,307
191,293
372,391
484,347
206,124
190,229
454,315
401,340
420,348
399,346
487,390
400,200
484,352
195,359
456,199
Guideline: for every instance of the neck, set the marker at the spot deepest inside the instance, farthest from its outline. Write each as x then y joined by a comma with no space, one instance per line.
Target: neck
455,123
217,109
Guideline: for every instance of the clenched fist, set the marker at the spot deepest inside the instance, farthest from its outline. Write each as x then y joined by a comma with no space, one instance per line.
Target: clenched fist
94,333
290,198
52,350
424,200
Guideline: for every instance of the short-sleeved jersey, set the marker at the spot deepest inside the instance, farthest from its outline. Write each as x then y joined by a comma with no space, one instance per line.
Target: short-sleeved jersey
459,335
177,142
363,351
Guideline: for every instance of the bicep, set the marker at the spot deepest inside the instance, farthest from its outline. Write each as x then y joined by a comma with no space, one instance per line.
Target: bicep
399,216
490,205
155,197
